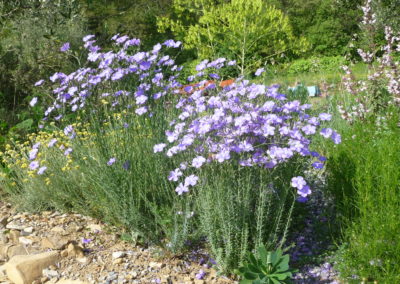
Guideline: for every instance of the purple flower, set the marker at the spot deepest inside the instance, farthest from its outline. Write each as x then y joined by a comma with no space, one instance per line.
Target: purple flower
42,170
39,83
141,99
65,47
33,153
86,241
309,129
111,161
87,38
325,116
318,165
336,138
121,39
304,191
222,156
34,165
52,142
118,75
181,189
302,199
159,147
141,110
172,43
198,162
68,129
132,42
174,175
259,71
298,182
33,102
191,180
68,151
326,132
201,274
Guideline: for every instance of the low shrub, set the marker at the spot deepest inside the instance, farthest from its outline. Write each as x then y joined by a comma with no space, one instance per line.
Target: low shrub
315,64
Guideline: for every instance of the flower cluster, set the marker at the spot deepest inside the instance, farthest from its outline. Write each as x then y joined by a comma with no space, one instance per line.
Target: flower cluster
247,123
385,75
32,157
148,68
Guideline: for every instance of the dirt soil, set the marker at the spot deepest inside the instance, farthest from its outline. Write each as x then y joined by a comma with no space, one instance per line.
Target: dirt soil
93,252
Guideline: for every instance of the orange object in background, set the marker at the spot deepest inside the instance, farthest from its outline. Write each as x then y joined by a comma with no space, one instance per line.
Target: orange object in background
221,84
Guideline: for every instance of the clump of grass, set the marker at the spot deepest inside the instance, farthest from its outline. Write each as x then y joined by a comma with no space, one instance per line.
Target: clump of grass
364,176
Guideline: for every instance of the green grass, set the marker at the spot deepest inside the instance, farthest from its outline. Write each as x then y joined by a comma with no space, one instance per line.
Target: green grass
310,79
364,176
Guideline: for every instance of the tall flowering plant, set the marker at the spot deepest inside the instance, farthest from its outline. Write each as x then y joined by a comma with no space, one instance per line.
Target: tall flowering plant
241,154
110,112
246,123
382,88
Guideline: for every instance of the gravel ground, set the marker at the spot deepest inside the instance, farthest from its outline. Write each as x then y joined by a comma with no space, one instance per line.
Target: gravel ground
94,253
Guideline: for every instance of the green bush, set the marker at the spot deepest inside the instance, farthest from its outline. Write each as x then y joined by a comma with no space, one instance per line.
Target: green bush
315,64
251,32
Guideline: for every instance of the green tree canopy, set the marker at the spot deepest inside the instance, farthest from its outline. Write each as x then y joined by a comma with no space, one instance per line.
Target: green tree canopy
251,32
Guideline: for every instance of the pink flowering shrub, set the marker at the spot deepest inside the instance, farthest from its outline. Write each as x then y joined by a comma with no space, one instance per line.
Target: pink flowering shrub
382,87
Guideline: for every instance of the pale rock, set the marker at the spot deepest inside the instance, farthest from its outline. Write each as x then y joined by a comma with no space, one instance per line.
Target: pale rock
94,227
64,253
68,281
52,281
24,269
28,230
82,260
59,230
25,241
75,251
118,254
158,265
17,250
55,242
117,261
12,226
49,273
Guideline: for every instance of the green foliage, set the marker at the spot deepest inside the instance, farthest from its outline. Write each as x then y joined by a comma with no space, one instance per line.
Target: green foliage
316,64
365,182
267,267
251,32
133,18
239,214
327,24
299,93
31,34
